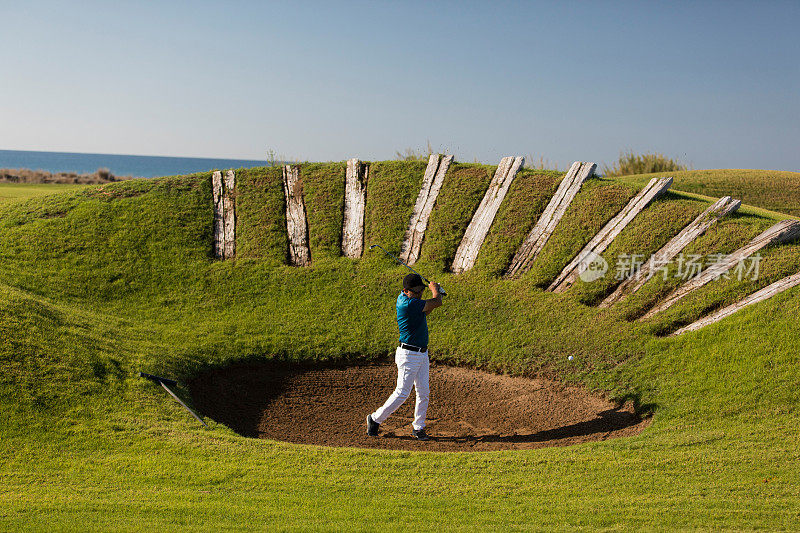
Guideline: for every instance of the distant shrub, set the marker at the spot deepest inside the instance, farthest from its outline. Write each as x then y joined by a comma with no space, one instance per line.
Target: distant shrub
631,163
104,174
25,175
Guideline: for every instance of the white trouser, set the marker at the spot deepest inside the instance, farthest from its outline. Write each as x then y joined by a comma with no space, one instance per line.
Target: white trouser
412,369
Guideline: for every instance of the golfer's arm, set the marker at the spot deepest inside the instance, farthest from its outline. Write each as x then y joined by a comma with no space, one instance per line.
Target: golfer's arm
433,303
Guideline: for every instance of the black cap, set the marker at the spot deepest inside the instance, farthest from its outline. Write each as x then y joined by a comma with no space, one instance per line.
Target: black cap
412,281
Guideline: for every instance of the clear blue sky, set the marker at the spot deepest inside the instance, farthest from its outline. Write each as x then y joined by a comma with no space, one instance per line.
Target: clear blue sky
716,84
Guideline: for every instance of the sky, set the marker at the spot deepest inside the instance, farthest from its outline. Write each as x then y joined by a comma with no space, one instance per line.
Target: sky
713,84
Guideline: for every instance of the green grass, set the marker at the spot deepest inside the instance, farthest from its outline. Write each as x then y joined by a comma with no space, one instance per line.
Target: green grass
391,193
462,191
774,190
260,210
643,236
21,191
97,285
595,204
525,201
323,189
725,237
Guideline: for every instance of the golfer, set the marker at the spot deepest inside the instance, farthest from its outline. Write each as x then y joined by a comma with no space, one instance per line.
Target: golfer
411,356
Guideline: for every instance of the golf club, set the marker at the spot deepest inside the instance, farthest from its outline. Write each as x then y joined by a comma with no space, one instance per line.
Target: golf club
399,262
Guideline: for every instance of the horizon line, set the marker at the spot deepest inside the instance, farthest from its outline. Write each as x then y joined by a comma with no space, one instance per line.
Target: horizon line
134,155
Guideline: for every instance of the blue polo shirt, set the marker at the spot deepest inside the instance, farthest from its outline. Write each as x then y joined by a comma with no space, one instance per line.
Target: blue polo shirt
411,321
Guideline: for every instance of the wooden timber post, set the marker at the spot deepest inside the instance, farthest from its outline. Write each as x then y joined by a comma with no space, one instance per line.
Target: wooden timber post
482,220
426,199
599,243
767,292
296,224
224,192
578,173
719,209
355,197
783,231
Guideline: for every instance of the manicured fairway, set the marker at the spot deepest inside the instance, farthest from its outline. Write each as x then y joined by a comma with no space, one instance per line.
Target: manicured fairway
776,190
16,191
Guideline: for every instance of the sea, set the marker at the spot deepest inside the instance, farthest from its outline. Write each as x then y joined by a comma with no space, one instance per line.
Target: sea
138,166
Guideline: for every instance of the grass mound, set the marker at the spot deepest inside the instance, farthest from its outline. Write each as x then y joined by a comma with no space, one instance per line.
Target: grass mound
774,190
107,280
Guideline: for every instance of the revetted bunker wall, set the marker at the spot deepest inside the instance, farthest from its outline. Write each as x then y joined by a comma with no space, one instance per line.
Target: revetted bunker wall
504,219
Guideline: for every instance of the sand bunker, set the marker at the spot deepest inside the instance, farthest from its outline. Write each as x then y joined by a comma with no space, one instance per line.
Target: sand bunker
469,410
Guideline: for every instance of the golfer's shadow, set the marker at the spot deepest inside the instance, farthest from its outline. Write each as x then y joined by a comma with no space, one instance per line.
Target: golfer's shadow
606,422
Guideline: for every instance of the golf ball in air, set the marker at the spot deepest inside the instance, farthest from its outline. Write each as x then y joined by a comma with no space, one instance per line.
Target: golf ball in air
569,358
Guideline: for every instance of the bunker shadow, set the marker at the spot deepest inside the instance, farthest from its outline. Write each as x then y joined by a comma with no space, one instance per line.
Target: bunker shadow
237,395
607,421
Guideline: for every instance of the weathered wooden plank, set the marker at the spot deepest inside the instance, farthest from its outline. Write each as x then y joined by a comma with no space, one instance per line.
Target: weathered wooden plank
578,173
426,199
606,235
471,243
783,231
719,209
224,214
759,296
229,205
355,197
296,224
219,217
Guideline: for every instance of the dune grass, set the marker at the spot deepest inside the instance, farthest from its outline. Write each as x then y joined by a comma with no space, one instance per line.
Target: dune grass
97,285
630,163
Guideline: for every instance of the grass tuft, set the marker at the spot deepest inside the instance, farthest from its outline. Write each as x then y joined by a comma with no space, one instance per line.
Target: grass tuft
632,163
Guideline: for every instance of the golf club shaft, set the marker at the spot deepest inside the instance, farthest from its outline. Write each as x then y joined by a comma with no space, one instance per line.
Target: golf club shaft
400,262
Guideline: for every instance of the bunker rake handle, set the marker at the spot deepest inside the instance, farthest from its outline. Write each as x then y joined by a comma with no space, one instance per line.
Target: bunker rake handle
399,262
166,381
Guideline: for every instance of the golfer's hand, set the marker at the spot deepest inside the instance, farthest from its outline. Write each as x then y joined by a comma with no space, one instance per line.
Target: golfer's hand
435,288
434,302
